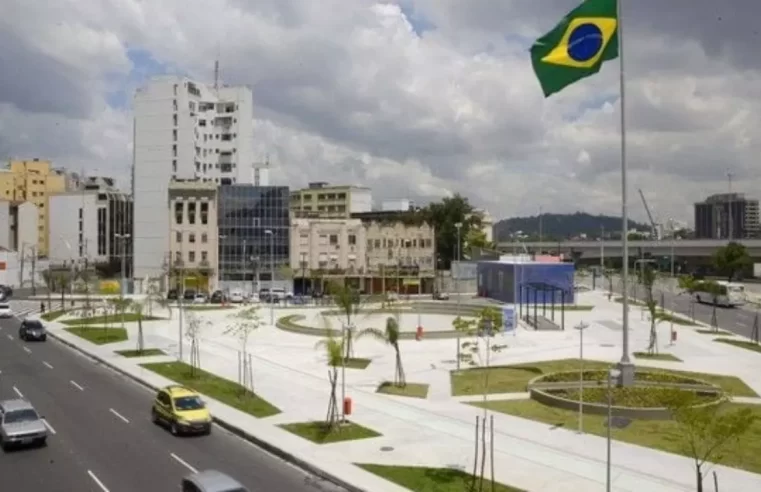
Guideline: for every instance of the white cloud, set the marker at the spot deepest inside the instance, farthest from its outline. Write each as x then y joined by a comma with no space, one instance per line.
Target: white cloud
348,92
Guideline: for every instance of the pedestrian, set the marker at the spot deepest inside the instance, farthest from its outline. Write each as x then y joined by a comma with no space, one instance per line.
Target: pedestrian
42,307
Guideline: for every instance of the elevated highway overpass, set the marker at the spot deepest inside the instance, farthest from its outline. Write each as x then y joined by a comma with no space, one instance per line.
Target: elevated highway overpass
688,250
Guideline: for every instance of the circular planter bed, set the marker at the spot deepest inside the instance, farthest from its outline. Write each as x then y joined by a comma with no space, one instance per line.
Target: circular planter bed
646,399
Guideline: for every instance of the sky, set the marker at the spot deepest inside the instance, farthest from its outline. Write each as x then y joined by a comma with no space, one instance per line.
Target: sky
417,99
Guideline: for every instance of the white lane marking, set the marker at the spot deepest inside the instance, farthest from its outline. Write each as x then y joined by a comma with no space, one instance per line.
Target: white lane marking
19,393
183,462
47,365
26,349
50,427
74,383
10,337
119,415
97,481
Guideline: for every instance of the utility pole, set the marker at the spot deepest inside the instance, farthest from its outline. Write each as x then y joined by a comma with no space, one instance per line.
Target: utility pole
602,248
541,230
729,215
21,266
34,269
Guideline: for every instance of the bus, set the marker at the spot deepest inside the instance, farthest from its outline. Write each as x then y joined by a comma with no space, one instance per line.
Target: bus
731,294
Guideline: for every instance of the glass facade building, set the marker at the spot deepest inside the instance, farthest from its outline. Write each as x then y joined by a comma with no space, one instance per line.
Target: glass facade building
254,234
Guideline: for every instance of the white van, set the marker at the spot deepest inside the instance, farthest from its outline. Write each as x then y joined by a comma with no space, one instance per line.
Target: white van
731,294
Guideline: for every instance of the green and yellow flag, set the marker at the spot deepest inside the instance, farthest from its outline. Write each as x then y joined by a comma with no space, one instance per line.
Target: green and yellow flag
577,47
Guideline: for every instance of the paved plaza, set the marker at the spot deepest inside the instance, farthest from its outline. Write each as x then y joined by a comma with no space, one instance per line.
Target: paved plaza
438,431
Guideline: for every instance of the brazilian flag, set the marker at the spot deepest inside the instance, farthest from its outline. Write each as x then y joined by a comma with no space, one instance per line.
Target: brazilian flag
577,47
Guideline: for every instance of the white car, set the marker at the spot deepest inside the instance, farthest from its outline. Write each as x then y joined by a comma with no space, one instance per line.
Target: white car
200,299
5,311
237,296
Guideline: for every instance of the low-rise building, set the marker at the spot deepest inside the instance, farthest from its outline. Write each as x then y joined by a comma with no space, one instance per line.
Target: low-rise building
18,225
194,236
330,201
325,248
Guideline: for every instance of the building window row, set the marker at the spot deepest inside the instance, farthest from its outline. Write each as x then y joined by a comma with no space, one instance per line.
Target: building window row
180,212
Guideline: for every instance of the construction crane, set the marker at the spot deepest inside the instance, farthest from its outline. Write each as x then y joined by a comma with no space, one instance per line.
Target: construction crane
653,224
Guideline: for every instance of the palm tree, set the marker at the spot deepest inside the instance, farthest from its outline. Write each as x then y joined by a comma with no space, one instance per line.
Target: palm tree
648,279
334,351
689,285
391,337
50,282
349,302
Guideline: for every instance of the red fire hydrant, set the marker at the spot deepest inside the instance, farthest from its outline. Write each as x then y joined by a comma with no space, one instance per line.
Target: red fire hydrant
419,333
347,406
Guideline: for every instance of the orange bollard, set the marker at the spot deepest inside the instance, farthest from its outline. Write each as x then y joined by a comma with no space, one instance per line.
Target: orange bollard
419,333
347,406
673,336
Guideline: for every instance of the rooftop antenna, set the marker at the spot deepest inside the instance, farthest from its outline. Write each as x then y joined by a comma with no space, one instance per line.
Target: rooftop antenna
216,71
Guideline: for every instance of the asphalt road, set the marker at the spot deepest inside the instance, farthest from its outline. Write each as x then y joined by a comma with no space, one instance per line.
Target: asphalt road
102,438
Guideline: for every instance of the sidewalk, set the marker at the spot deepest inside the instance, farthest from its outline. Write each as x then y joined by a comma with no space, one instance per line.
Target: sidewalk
439,431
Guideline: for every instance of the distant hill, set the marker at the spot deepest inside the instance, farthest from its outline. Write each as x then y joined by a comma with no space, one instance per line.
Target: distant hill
563,226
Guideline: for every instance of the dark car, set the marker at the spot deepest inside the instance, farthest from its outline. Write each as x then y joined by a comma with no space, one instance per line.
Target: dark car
5,292
218,297
189,295
32,329
171,295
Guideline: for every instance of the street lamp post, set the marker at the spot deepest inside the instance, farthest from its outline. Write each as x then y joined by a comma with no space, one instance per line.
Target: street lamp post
269,233
458,226
180,291
581,327
122,239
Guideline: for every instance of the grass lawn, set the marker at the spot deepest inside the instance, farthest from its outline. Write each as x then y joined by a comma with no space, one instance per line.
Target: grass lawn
115,318
657,434
632,302
318,432
716,332
514,378
99,335
357,363
667,357
414,390
224,390
677,320
423,479
753,346
53,315
149,352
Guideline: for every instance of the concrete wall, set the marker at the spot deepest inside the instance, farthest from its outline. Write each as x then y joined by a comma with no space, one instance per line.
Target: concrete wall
5,225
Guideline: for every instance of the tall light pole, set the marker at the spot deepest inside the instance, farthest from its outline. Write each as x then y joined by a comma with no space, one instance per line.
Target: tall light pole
602,248
458,226
269,233
181,290
729,215
613,375
673,239
122,240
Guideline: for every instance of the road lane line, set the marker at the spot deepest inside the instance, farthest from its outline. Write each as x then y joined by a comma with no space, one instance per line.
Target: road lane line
74,383
47,365
97,481
10,337
50,427
27,350
119,415
19,393
183,462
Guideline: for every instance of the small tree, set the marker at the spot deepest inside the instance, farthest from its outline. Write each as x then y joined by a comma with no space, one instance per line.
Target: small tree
193,333
704,432
609,273
138,308
50,279
154,295
730,259
477,353
688,284
391,337
334,352
121,305
244,323
648,278
713,290
64,278
349,303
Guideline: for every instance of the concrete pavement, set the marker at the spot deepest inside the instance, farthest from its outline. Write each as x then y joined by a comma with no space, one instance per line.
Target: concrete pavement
104,439
438,431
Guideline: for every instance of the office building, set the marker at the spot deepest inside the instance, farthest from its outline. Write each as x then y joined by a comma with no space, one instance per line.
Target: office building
92,224
326,248
728,214
33,181
254,237
18,226
184,131
194,238
330,202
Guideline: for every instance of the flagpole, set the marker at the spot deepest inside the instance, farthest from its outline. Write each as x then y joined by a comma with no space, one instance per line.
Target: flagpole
625,366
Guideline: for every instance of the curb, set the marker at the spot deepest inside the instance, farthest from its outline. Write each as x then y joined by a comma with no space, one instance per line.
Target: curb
266,446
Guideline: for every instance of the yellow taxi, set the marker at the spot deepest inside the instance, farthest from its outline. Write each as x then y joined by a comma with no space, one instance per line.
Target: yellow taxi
181,410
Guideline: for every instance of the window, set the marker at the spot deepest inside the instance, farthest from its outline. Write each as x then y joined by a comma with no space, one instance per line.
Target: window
333,239
178,237
191,213
191,238
178,212
201,122
174,165
192,256
102,222
178,256
174,134
204,238
204,214
352,239
204,256
174,119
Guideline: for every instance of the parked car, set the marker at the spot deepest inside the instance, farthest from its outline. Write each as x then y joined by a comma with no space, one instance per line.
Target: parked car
171,295
6,311
218,297
182,410
189,295
211,481
441,296
200,299
5,292
32,329
237,297
21,425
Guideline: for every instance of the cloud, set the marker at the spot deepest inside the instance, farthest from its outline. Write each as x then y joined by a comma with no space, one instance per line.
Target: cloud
416,98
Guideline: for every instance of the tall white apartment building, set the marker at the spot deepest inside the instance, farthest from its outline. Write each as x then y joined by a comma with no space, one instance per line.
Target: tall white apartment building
183,130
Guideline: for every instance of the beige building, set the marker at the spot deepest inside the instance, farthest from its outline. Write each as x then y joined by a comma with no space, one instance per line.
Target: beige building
194,235
327,245
33,181
18,226
325,201
392,244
